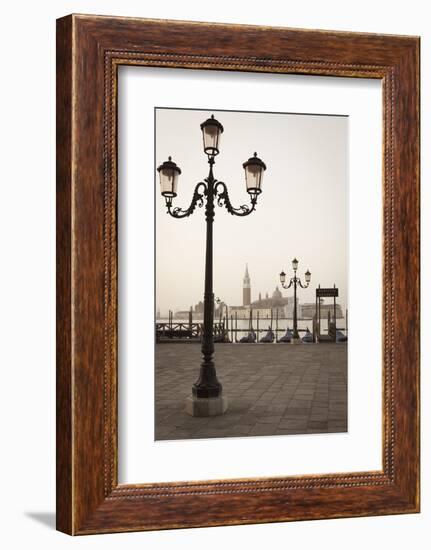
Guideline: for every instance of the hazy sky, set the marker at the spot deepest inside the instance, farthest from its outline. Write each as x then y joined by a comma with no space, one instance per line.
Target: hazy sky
301,212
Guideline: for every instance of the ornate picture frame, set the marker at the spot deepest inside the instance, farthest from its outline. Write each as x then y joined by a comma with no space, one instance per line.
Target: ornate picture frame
89,51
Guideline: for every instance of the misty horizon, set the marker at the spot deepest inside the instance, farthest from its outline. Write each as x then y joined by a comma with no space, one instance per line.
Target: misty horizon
254,297
302,211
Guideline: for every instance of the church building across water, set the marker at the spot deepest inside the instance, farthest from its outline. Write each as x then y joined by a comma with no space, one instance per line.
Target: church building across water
274,305
284,305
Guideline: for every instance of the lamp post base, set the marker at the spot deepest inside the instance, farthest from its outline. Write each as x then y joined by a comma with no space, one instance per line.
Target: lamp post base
206,406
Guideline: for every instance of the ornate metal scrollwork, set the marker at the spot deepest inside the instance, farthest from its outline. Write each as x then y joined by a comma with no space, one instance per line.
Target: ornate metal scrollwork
197,200
224,200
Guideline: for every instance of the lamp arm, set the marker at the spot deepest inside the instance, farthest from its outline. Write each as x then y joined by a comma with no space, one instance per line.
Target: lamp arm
197,200
301,285
287,286
224,200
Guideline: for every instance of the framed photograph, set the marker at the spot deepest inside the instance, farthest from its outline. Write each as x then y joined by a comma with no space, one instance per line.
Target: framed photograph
237,274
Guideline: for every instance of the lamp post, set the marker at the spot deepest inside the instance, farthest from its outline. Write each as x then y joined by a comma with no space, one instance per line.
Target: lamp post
295,281
220,304
207,398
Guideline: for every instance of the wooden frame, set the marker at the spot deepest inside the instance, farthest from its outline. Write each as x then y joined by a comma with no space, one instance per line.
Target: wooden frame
89,51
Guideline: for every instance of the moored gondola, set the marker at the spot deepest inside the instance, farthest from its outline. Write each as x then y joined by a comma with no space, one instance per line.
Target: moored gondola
250,338
308,337
340,337
269,336
287,338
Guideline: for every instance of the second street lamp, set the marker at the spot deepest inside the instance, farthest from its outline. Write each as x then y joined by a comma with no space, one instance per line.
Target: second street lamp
295,281
207,398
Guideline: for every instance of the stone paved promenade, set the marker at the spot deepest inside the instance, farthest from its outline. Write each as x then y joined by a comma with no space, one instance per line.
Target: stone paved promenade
272,389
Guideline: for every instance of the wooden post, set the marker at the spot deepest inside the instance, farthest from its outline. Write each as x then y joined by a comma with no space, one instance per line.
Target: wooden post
335,309
276,325
347,321
314,327
257,326
227,322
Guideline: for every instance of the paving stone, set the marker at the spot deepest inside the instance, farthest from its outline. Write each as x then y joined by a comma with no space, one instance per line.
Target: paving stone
300,403
320,424
293,424
263,429
269,420
295,411
271,390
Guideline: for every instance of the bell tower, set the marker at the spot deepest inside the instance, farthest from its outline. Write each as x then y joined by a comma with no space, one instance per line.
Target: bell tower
246,288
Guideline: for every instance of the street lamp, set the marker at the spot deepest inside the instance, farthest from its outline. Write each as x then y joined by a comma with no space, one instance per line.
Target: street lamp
295,281
207,398
211,133
220,304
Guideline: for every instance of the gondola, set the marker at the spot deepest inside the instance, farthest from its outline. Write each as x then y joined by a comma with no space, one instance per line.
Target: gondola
287,338
307,338
249,339
269,336
340,337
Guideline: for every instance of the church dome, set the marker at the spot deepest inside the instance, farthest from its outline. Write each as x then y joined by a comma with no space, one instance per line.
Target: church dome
276,300
276,295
